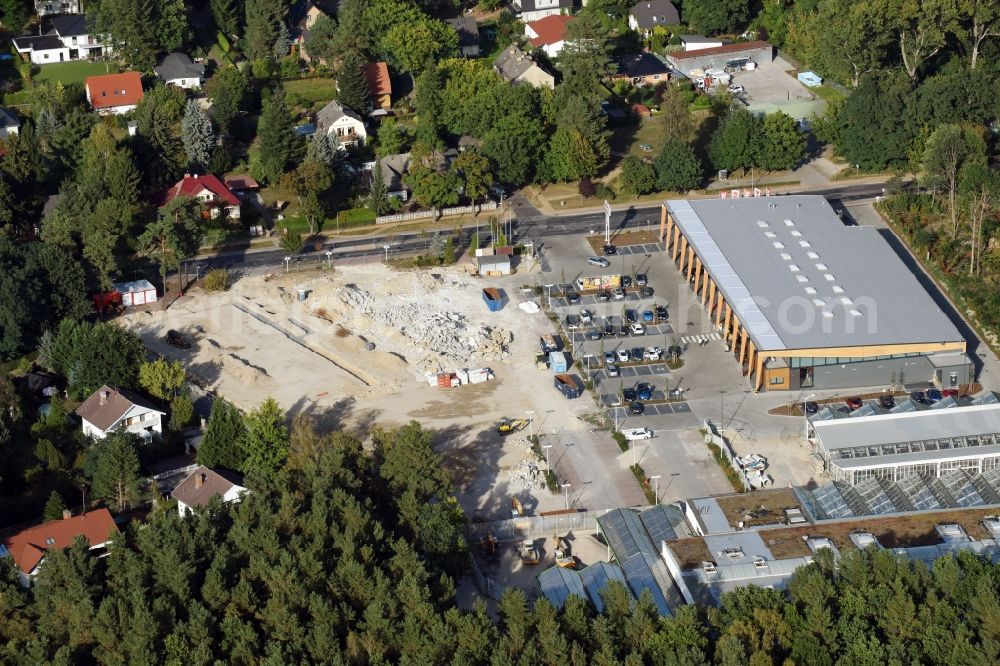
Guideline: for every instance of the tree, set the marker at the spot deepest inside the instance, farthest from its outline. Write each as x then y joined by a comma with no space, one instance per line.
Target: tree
351,35
170,25
717,16
782,143
980,20
54,507
197,136
429,105
280,146
291,241
282,42
14,14
570,157
265,440
378,197
306,185
871,132
392,138
323,149
116,471
319,42
637,176
222,445
677,167
92,355
979,188
131,26
584,59
157,142
476,173
263,25
922,28
513,145
352,88
228,91
228,16
413,45
947,149
736,142
434,189
174,236
161,378
181,411
847,40
675,114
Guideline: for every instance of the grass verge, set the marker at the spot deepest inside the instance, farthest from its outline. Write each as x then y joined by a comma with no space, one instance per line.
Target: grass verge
734,478
640,476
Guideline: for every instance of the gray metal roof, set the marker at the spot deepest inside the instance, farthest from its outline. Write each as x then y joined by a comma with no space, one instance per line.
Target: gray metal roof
179,66
557,584
712,518
648,572
598,576
800,279
651,13
908,427
661,522
626,535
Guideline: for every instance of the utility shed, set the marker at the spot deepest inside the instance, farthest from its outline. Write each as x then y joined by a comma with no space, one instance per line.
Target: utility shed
493,265
139,292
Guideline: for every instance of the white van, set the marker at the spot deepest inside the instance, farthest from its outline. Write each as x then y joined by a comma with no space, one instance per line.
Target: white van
633,434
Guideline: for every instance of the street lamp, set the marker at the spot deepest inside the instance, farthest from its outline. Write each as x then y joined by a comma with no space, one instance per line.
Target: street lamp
566,493
386,248
547,447
656,488
287,259
805,416
722,411
329,258
531,415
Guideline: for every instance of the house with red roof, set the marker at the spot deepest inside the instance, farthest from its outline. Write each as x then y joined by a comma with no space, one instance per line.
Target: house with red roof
29,547
114,94
210,191
379,85
549,33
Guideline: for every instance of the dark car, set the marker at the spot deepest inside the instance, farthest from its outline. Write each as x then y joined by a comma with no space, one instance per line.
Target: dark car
661,312
572,321
811,408
608,328
854,403
594,334
644,391
175,339
604,296
630,317
628,394
572,297
610,249
626,281
623,330
636,408
646,292
637,353
886,402
918,396
612,371
933,395
641,279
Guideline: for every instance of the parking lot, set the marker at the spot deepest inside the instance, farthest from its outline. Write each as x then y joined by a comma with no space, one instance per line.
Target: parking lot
769,88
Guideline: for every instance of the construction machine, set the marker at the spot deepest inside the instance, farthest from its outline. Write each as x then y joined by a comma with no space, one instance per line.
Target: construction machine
489,544
528,552
516,509
510,426
561,552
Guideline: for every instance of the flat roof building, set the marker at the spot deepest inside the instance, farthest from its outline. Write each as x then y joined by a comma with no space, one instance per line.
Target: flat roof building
805,301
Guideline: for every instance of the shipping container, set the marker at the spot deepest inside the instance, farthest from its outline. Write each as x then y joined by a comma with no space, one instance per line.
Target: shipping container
569,386
549,343
557,360
494,298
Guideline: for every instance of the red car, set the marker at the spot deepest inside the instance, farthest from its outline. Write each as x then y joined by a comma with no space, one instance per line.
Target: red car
854,403
950,392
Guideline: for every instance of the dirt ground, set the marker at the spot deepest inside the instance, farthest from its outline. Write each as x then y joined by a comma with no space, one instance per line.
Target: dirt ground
313,356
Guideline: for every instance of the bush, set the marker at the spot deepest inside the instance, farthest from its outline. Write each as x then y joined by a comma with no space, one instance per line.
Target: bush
602,191
586,188
620,440
216,279
356,217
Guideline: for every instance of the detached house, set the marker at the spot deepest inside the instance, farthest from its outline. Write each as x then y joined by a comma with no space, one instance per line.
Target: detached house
468,35
649,14
109,410
379,85
548,34
532,10
69,38
28,548
9,123
643,69
177,69
210,191
340,122
516,66
203,484
46,7
114,94
394,167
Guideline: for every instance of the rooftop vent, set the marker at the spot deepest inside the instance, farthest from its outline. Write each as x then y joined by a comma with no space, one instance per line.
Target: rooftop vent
734,553
829,277
804,244
709,567
789,223
810,291
778,245
760,563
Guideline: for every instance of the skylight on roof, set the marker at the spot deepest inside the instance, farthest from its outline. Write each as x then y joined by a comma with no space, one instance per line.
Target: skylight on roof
796,233
770,234
818,302
804,244
762,224
855,313
845,300
812,255
786,256
802,278
789,223
827,314
829,277
778,245
821,267
793,268
810,291
837,289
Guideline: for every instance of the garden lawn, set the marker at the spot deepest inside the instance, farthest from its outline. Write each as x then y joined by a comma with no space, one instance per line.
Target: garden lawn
72,72
309,92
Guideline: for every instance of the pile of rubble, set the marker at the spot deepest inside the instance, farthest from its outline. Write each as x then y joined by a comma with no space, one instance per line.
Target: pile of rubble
527,475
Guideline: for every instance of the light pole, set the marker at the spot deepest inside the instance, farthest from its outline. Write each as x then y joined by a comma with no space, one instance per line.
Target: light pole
547,447
722,411
287,259
329,258
656,488
805,416
564,487
386,248
531,417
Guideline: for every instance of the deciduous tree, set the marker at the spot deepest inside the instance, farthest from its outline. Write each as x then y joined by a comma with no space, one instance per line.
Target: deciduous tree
174,236
716,16
736,142
637,175
782,144
476,173
161,378
947,149
677,167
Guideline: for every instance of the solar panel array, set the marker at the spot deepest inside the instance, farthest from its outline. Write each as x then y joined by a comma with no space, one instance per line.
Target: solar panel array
598,576
557,584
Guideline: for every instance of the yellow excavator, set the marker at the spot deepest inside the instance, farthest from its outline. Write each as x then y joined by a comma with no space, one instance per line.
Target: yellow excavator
528,552
561,552
508,426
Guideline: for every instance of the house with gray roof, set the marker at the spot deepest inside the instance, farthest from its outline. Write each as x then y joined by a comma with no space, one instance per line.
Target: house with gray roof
341,122
70,37
516,66
394,167
532,10
649,14
468,35
177,69
9,124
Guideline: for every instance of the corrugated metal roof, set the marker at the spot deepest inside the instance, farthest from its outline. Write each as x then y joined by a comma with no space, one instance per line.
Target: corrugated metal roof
625,534
598,576
908,427
557,584
648,572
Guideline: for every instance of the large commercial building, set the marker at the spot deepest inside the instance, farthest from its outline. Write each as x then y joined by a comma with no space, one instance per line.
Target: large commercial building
806,302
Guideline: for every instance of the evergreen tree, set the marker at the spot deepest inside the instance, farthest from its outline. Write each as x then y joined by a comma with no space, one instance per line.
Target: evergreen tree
280,146
174,236
54,507
157,141
132,27
222,445
263,25
228,91
171,29
351,36
379,199
181,412
197,136
319,42
283,42
428,107
352,88
116,471
228,16
265,441
322,150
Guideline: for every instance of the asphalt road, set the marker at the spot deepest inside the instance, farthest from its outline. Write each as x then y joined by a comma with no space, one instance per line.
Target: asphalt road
524,229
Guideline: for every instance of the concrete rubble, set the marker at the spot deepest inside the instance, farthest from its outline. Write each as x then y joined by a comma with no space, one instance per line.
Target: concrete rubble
526,475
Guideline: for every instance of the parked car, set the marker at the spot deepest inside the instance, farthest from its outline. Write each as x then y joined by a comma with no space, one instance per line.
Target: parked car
604,296
630,317
736,89
617,294
854,403
918,396
646,292
586,317
636,408
636,329
933,395
175,339
647,316
811,407
637,353
594,334
572,322
644,391
610,249
950,393
608,328
628,395
653,354
623,330
886,402
598,261
626,281
572,298
632,434
613,371
641,279
661,312
623,356
609,358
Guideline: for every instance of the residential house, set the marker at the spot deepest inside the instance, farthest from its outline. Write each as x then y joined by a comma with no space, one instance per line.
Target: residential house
642,69
549,33
204,483
242,186
699,42
649,14
341,122
109,410
114,94
70,37
29,547
394,167
177,69
9,124
468,35
47,7
516,66
210,191
302,16
379,85
532,10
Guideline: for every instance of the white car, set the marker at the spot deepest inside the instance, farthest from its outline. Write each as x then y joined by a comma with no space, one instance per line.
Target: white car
586,317
617,294
632,434
623,356
652,354
736,89
637,329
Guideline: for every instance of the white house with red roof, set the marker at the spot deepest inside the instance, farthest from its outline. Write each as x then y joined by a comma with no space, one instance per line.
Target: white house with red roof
29,547
549,33
114,94
210,191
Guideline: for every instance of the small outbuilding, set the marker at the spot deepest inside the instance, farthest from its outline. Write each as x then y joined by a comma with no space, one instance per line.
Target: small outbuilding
496,264
138,292
810,79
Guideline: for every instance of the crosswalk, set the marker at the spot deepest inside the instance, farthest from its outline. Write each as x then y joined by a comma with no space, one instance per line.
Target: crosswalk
701,339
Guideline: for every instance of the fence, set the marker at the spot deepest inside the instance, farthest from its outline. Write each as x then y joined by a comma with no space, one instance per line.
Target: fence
486,585
517,529
424,214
